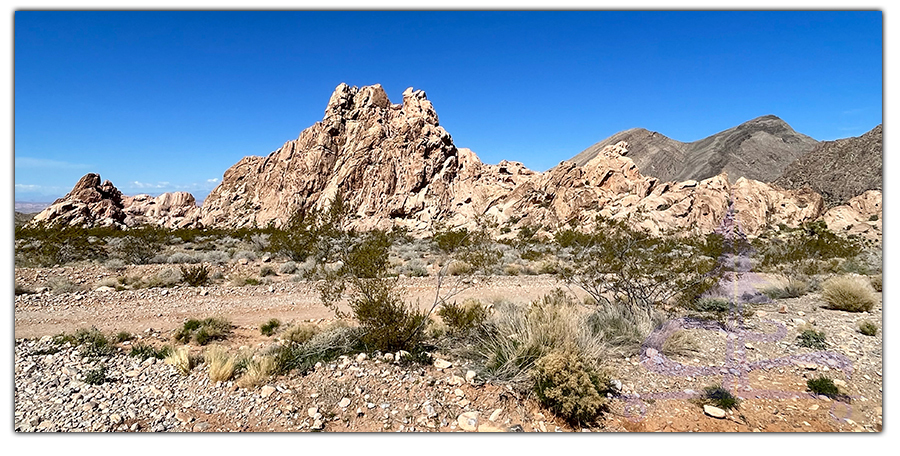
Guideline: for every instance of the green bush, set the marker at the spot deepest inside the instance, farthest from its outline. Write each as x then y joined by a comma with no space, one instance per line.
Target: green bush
268,328
786,287
96,376
195,276
463,319
804,247
266,271
720,397
301,334
713,305
144,351
123,336
812,339
868,328
570,387
823,386
203,331
849,293
92,342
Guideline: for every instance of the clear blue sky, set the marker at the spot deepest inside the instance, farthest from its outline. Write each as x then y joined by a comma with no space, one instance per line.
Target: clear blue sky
165,101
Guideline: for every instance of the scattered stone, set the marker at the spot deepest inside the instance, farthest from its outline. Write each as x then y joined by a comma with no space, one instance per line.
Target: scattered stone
267,391
442,363
344,402
496,414
714,412
468,421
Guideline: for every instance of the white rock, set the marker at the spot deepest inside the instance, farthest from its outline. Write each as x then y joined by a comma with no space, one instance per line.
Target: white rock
714,412
468,421
442,363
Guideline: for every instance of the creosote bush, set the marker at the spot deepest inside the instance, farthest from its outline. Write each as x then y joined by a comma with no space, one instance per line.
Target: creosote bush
569,386
96,376
849,293
463,319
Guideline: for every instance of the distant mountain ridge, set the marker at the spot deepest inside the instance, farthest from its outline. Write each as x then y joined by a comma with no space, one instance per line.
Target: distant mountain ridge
759,149
840,169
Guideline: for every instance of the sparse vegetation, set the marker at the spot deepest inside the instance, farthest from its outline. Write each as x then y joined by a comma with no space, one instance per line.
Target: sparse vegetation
195,276
570,386
96,376
203,331
868,328
182,359
268,328
812,339
123,336
849,293
719,396
464,319
144,351
221,364
823,386
681,342
786,287
258,369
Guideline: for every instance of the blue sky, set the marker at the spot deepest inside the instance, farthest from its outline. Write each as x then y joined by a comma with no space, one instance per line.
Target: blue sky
166,101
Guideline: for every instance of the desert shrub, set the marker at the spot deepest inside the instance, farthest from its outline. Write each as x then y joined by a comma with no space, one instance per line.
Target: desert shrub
123,336
182,258
463,319
849,293
244,255
301,334
288,268
720,397
258,369
195,276
515,337
168,277
812,339
450,240
48,245
569,386
459,268
114,264
712,305
619,265
268,328
96,376
92,342
311,232
323,346
221,363
617,327
140,244
822,385
875,280
785,287
144,351
813,241
22,289
214,257
266,271
182,360
680,343
60,285
868,328
203,331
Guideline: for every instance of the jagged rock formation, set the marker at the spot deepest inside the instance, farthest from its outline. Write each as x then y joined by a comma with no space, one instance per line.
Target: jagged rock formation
759,149
91,203
396,166
839,170
171,210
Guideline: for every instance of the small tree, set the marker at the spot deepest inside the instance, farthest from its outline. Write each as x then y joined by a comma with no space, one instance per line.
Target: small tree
311,232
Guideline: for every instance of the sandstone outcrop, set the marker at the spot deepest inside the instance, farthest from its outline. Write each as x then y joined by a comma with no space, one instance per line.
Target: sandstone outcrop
397,167
91,203
861,216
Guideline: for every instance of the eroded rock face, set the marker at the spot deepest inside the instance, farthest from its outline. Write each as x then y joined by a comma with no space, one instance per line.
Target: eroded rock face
396,166
171,210
90,203
861,215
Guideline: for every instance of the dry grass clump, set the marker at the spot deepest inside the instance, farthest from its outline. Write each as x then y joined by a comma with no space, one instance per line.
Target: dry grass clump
849,293
221,363
785,287
868,328
301,334
60,285
875,280
182,360
516,337
258,370
681,342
